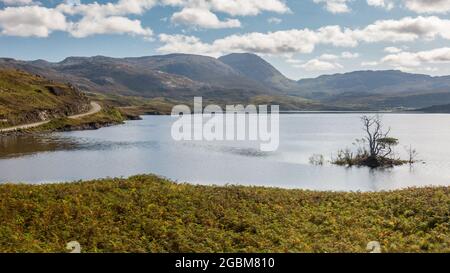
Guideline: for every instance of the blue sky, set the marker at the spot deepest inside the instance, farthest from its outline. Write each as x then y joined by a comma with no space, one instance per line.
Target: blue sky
302,38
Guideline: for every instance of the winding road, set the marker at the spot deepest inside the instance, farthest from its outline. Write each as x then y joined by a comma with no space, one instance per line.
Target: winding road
95,108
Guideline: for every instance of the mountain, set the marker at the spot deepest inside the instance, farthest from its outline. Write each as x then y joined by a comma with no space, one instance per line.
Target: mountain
173,76
389,88
26,98
362,82
445,108
203,69
239,78
256,68
121,77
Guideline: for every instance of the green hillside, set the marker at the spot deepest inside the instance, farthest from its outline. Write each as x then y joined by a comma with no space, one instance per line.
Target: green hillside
26,98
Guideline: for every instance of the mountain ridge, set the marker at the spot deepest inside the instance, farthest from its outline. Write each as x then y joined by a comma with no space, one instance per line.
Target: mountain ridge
238,77
260,70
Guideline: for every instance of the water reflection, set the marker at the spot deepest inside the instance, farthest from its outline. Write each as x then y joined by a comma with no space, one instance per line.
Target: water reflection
16,146
221,147
146,146
21,145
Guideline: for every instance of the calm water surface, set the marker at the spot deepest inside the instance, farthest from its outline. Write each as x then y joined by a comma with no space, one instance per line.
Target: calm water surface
146,147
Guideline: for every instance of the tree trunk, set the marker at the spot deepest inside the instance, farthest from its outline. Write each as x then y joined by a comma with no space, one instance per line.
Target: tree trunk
372,162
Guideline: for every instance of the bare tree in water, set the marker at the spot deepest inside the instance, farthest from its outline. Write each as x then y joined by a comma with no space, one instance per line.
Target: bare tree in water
375,149
380,144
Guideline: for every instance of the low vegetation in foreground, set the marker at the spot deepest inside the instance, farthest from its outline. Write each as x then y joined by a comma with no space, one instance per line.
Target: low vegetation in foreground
151,214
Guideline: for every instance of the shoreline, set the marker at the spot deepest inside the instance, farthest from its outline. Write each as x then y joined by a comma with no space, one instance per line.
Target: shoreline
103,117
224,185
128,117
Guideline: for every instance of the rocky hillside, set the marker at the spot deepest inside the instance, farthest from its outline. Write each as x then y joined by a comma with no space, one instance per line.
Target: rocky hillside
256,68
26,98
239,78
173,76
210,71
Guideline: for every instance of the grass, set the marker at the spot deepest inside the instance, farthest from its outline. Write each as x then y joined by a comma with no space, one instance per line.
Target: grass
151,214
136,106
107,116
24,98
362,159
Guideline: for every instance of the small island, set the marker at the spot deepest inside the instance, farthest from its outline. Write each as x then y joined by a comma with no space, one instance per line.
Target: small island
375,150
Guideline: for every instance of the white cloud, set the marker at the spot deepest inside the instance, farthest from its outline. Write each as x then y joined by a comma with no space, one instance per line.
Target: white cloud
196,13
418,6
318,65
392,49
72,2
274,20
249,7
184,44
233,7
279,42
108,25
407,29
431,69
293,61
200,14
415,59
328,57
107,18
349,55
369,63
17,2
122,7
323,62
31,21
202,18
335,6
386,4
337,36
343,55
428,6
305,40
38,21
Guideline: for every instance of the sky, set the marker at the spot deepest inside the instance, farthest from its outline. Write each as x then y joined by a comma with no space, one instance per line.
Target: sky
301,38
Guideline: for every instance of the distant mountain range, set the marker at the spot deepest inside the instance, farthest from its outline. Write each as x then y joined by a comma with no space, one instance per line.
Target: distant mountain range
240,78
378,89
